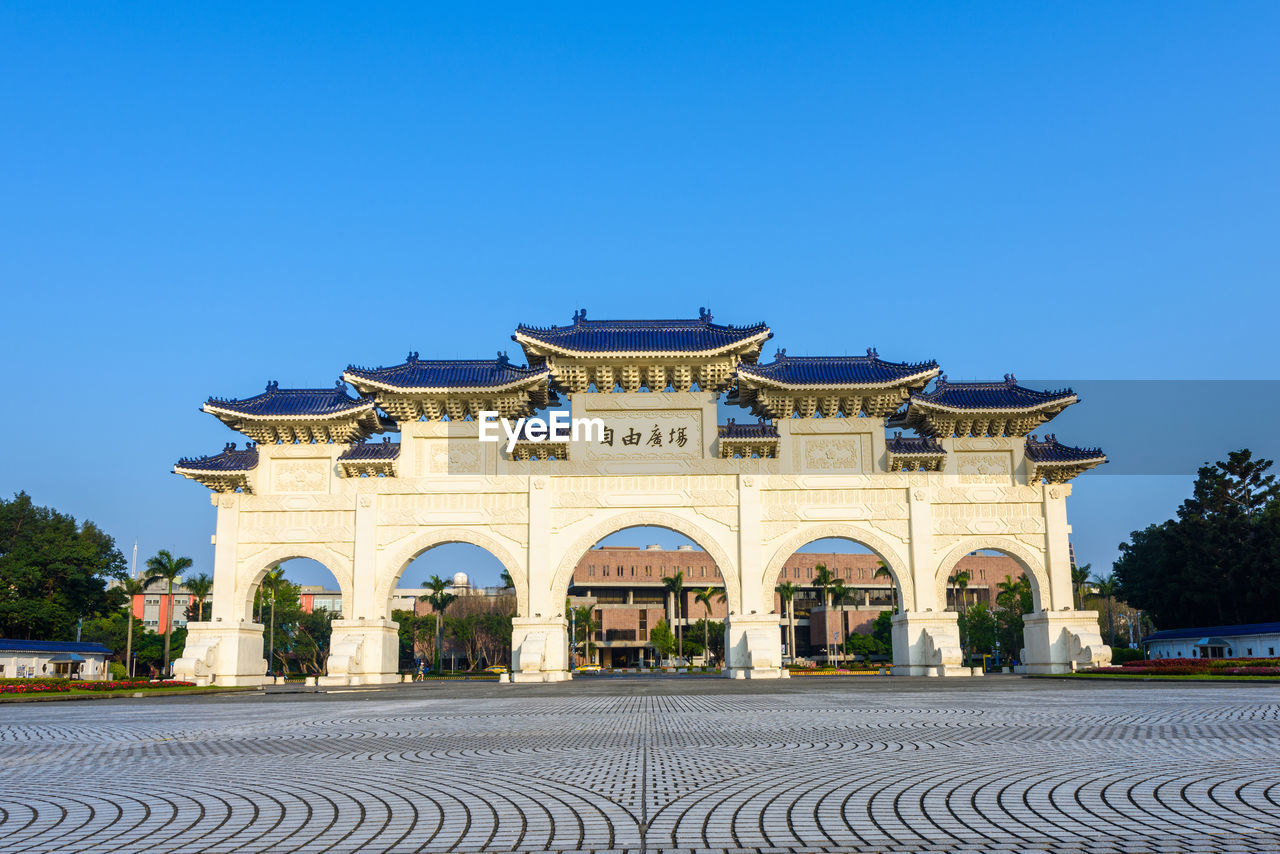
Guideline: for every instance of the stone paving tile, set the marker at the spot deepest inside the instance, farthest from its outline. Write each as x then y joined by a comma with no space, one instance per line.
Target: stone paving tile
1009,769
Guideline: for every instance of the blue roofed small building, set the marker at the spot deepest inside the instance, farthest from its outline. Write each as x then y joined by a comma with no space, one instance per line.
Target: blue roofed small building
35,659
1248,640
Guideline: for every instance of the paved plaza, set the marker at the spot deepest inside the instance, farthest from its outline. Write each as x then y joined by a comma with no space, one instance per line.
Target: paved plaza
1000,764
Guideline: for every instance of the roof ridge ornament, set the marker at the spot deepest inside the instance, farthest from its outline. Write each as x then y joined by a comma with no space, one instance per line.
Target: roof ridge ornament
412,357
780,354
503,358
873,353
942,382
579,315
273,385
1010,379
704,314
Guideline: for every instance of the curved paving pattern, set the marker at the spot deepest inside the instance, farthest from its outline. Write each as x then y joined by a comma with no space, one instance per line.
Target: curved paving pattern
1017,766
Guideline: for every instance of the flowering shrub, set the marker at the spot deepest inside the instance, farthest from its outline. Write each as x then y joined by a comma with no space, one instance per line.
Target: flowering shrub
53,686
1197,667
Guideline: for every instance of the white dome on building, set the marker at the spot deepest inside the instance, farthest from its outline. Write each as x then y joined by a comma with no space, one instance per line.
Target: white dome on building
460,580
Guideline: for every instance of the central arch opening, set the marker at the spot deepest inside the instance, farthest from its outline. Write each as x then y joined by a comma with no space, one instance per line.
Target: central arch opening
836,597
646,597
295,601
454,604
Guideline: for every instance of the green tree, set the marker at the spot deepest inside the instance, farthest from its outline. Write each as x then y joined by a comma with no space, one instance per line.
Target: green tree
960,581
199,587
662,638
53,571
1013,600
167,568
884,572
1079,581
1218,562
130,587
1107,586
787,591
978,624
705,596
439,600
271,586
840,594
585,623
823,578
882,631
674,585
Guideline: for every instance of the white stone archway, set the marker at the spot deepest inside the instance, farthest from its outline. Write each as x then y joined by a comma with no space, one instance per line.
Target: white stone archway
1031,562
397,562
895,562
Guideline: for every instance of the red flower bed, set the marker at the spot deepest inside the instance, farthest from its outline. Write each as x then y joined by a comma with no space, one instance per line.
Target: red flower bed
1197,667
54,686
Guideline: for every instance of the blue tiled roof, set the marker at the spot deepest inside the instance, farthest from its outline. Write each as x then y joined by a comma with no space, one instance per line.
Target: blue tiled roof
362,451
641,336
760,430
828,371
51,646
1215,631
900,444
447,373
1050,450
230,460
999,395
276,401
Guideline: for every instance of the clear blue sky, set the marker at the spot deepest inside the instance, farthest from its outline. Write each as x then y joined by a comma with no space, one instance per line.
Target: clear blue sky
198,199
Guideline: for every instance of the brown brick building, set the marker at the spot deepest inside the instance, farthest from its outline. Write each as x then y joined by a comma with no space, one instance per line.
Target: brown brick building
624,584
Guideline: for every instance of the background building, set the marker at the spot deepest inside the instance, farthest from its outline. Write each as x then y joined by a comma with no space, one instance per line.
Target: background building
27,659
624,584
1253,640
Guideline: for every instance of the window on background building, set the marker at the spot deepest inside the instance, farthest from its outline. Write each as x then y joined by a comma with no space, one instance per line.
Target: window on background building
1248,651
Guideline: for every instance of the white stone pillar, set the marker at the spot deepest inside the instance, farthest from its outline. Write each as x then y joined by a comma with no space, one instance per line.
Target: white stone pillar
226,650
1057,562
924,564
540,638
1062,642
749,554
753,647
927,643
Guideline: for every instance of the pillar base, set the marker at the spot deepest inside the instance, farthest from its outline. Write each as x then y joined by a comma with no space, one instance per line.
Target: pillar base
927,643
363,652
539,649
219,653
753,647
1062,642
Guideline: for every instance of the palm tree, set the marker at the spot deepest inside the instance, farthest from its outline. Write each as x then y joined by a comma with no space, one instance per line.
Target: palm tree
584,619
788,591
823,578
199,587
839,595
674,585
1079,578
271,584
960,580
131,587
705,596
166,567
506,581
439,600
882,571
1107,588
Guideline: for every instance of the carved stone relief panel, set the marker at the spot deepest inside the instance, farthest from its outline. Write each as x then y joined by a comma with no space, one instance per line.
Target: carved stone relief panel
978,467
987,519
830,453
307,475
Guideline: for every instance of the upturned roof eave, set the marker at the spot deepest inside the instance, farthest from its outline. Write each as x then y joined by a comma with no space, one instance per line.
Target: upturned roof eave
921,377
524,383
355,410
746,343
1054,403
